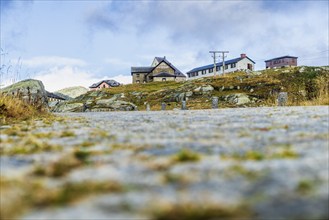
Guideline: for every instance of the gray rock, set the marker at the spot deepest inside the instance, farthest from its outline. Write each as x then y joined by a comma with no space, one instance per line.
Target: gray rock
68,107
189,94
238,99
29,90
114,105
206,89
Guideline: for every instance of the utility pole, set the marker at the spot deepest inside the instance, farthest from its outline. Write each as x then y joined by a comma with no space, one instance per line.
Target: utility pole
214,56
223,56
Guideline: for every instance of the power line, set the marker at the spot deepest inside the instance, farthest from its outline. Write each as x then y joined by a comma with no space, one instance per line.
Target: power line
223,64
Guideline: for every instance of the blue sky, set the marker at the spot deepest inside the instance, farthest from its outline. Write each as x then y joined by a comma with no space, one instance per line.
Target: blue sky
69,43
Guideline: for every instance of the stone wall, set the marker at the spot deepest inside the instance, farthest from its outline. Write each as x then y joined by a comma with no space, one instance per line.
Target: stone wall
141,77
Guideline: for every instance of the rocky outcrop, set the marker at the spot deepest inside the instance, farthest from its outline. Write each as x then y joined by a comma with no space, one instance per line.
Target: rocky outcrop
68,107
95,101
30,90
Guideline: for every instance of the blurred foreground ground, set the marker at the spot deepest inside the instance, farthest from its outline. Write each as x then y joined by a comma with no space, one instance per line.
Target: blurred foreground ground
256,163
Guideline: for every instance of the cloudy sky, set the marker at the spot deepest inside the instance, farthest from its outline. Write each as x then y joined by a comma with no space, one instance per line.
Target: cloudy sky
69,43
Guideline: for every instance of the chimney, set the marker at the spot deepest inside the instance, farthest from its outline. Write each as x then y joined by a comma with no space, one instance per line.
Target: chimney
243,55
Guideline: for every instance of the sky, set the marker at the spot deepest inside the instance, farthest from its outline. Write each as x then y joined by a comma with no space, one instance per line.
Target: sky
77,43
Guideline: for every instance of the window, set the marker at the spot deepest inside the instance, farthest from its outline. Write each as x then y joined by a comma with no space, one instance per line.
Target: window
137,81
137,75
217,68
104,86
226,66
211,70
163,79
203,72
233,65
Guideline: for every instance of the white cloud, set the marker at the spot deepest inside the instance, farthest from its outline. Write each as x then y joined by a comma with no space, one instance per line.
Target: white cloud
43,61
58,78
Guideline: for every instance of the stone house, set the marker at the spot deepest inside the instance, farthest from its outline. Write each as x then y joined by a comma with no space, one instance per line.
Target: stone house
280,62
104,84
160,70
242,63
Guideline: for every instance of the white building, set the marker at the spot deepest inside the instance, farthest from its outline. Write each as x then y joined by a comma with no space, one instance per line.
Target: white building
242,63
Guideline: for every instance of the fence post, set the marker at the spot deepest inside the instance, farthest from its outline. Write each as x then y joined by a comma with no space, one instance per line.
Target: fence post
184,105
148,108
282,99
214,103
163,106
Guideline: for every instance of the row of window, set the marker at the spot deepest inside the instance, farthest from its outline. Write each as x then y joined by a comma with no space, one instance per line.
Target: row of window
163,80
211,70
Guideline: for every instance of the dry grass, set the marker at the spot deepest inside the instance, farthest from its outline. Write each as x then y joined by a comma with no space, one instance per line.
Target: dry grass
12,108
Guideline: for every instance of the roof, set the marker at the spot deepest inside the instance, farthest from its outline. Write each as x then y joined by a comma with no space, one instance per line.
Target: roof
219,64
177,72
54,96
281,58
141,69
110,82
164,74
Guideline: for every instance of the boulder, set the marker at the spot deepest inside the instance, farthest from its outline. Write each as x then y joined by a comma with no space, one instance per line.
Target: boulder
238,99
206,89
29,90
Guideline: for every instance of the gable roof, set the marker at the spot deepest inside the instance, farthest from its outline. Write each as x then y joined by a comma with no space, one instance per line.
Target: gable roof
177,72
110,82
148,70
219,64
281,58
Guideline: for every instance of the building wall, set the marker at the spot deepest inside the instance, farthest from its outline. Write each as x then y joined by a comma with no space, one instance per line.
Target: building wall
241,65
160,79
283,62
177,79
139,77
244,64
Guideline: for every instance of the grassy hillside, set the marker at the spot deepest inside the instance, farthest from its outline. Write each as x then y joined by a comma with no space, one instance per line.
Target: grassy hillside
305,86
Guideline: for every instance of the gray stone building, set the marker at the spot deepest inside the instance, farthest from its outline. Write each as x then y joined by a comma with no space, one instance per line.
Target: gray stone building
160,70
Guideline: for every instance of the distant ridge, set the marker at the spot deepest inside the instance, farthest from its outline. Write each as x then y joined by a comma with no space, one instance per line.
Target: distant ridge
71,92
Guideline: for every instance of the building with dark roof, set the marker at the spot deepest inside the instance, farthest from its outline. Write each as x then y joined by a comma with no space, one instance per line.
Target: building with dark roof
160,70
242,63
280,62
54,97
104,84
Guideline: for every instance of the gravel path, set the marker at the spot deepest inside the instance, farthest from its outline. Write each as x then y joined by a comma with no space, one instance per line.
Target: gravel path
257,163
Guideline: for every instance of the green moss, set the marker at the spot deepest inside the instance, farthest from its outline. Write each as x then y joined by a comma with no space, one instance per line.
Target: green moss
186,155
29,145
305,186
82,155
67,134
201,212
240,170
285,153
87,144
